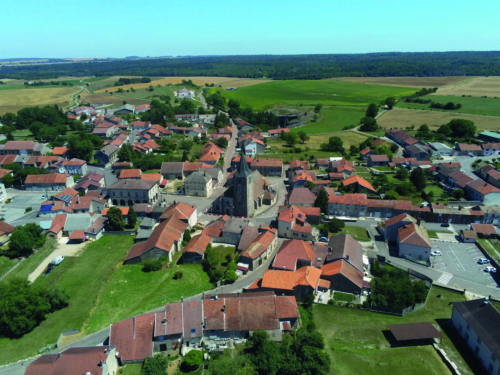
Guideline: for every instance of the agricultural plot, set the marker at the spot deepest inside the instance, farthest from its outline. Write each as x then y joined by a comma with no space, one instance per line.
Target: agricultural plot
475,86
417,82
310,93
333,119
401,118
471,105
13,100
111,100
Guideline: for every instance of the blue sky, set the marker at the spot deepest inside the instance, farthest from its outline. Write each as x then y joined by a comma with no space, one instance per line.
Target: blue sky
118,28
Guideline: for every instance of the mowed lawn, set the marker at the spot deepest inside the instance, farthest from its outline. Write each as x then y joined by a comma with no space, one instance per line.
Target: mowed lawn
356,344
333,119
310,93
130,291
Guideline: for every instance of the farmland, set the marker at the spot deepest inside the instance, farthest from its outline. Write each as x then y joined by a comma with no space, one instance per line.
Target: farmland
470,105
401,118
475,86
13,100
404,81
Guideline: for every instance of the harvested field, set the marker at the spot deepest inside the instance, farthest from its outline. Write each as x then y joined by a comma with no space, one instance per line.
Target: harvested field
417,82
13,100
401,118
106,99
222,81
475,86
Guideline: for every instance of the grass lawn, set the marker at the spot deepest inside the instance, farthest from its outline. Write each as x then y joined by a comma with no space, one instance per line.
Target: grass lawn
6,264
333,119
129,291
29,264
221,253
146,94
22,134
492,247
84,279
359,233
131,369
434,233
471,105
356,344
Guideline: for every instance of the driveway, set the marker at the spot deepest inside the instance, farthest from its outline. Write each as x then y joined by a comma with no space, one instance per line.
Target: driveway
64,249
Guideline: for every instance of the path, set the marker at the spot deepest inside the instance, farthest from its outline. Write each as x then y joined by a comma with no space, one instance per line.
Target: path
63,249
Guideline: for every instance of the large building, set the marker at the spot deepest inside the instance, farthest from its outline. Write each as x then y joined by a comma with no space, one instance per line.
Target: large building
249,191
127,192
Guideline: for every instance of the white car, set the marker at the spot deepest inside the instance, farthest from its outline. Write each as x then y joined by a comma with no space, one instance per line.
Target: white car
483,261
436,253
57,260
490,269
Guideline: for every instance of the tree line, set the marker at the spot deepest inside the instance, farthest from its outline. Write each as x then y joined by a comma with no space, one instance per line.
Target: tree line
391,64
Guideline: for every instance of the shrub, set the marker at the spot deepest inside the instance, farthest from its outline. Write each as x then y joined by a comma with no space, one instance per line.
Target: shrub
192,361
178,275
152,265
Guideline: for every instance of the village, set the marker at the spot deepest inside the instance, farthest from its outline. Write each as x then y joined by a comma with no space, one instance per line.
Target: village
302,232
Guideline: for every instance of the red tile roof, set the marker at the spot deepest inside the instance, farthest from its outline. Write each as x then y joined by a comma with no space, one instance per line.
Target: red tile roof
3,172
356,199
482,187
54,178
60,151
286,280
152,176
358,180
133,337
261,243
181,210
124,211
290,252
398,218
198,244
468,147
58,223
279,131
267,162
6,228
77,235
343,268
130,173
19,145
365,151
412,234
461,179
486,229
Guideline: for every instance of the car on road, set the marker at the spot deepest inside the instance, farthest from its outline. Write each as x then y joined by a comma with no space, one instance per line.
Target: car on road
57,260
436,253
324,239
445,225
483,261
490,269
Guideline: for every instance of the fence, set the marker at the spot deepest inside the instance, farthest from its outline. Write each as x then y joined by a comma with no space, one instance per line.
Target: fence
121,232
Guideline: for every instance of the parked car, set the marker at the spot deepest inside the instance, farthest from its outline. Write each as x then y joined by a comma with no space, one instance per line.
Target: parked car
324,239
49,269
490,269
445,225
436,253
57,260
483,261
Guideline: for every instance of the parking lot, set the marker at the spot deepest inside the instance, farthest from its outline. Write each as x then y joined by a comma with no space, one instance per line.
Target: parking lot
20,200
459,260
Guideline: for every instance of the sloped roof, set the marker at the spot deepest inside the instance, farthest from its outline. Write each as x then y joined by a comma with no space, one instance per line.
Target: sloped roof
344,246
133,337
482,187
487,229
291,251
286,280
343,268
259,245
356,199
399,218
130,173
198,244
54,178
412,234
358,180
181,210
6,228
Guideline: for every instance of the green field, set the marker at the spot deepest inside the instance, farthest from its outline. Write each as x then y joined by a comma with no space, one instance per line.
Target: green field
310,93
6,264
359,233
333,119
355,341
146,94
101,290
470,105
492,247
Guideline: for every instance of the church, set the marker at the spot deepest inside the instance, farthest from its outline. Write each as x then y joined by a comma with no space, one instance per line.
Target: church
248,191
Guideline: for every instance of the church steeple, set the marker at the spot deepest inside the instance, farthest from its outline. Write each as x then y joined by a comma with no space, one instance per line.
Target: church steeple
243,170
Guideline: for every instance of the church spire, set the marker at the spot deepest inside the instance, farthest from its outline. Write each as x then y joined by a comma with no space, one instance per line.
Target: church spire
243,169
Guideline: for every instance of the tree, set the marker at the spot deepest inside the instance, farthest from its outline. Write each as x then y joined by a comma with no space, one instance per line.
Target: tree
126,152
131,217
390,102
156,365
318,107
115,219
405,188
418,179
334,144
368,124
302,136
402,173
222,142
322,201
24,239
458,194
461,128
8,180
372,110
187,235
424,132
192,361
335,225
290,138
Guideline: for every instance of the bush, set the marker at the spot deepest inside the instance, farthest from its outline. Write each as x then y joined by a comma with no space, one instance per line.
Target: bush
178,275
152,265
156,365
192,361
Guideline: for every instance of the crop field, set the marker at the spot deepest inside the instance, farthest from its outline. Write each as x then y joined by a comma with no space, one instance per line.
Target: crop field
200,81
417,82
333,119
310,93
13,100
112,100
401,118
475,86
469,104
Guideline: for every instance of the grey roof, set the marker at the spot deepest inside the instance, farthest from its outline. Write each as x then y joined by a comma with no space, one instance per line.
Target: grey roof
198,177
147,222
143,234
77,222
234,225
249,234
346,247
133,184
212,172
109,149
128,107
484,320
438,146
417,148
97,225
172,167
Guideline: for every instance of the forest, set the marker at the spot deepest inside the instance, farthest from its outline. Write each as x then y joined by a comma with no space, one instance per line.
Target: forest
390,64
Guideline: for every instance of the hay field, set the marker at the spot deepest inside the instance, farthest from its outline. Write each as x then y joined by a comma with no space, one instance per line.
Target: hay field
401,118
112,100
13,100
417,82
200,81
475,86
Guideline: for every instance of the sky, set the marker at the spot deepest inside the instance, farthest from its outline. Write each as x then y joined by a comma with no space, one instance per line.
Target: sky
119,28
